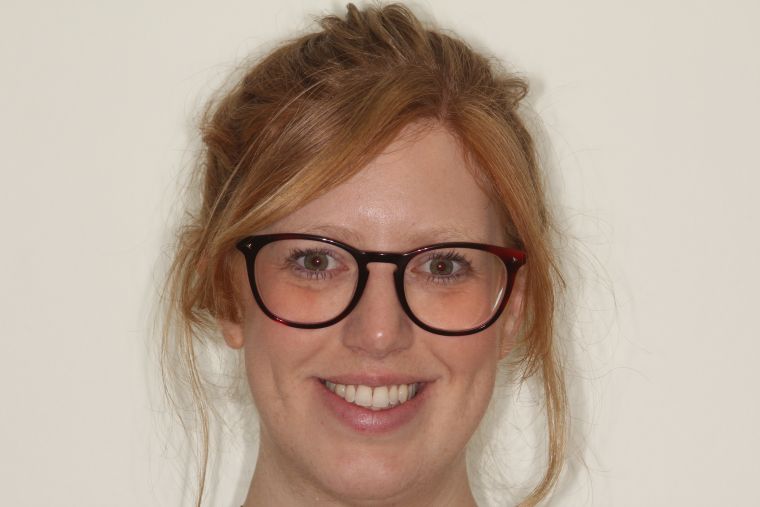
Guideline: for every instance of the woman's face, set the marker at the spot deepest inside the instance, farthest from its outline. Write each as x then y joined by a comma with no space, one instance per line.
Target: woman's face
418,192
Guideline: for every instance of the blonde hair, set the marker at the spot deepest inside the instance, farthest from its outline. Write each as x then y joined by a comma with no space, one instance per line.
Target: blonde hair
309,116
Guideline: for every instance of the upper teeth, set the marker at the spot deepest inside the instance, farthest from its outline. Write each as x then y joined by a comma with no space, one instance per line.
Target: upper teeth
378,398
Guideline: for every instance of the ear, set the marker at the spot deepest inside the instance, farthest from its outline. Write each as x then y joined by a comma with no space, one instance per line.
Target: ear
514,314
232,332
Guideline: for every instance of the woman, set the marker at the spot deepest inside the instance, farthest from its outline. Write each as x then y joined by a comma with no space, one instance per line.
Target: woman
373,238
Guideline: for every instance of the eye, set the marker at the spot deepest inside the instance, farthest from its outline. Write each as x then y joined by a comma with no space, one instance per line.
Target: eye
442,267
445,266
315,261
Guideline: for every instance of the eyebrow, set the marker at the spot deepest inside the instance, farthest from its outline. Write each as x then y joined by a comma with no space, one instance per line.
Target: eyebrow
417,238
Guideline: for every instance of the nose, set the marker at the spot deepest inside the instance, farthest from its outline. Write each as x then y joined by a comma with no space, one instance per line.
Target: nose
378,326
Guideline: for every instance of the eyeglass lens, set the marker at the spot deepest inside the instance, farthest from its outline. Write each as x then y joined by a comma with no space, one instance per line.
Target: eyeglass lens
309,282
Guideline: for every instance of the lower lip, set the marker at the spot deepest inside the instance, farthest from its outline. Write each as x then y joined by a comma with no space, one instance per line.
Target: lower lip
365,420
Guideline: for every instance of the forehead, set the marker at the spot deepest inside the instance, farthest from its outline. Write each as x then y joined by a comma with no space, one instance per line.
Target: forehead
420,190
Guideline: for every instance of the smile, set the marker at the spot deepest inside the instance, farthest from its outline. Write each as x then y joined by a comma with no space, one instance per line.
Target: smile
375,398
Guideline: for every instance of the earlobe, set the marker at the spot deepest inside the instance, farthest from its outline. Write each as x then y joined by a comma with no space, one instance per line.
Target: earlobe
232,332
514,317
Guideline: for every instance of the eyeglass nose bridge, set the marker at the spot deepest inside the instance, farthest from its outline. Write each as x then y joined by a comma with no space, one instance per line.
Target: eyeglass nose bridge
384,257
398,260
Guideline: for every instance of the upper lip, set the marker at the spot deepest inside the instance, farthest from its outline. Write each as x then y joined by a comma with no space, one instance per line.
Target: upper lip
374,380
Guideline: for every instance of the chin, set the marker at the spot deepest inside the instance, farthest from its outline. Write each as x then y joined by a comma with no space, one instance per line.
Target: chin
367,476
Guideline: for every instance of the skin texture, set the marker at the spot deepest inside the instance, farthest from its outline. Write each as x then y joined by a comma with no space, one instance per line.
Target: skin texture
417,192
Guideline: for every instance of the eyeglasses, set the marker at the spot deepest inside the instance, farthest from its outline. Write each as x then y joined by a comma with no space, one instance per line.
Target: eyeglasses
307,281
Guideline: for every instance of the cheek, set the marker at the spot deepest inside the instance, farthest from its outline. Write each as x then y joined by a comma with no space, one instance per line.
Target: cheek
263,357
275,358
466,391
472,363
474,356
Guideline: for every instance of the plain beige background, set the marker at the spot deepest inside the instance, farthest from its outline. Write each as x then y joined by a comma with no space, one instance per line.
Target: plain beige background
651,111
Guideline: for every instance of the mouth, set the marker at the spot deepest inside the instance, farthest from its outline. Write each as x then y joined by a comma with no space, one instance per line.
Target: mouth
378,398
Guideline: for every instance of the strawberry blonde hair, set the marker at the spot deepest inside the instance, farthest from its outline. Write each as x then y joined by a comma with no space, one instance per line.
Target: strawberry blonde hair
310,115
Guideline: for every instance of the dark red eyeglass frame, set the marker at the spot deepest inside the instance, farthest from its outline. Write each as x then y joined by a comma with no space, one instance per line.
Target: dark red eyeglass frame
252,245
